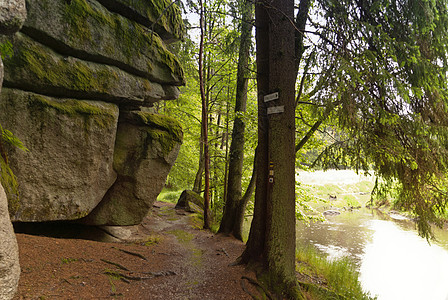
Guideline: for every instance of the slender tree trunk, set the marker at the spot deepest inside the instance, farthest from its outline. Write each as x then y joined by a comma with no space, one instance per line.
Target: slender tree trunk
225,143
232,218
204,124
241,208
272,236
197,186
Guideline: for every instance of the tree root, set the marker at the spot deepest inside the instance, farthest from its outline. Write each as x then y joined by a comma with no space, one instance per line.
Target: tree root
223,251
161,273
114,264
131,253
261,289
135,277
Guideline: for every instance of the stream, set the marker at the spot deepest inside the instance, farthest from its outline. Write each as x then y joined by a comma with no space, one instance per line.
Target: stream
393,261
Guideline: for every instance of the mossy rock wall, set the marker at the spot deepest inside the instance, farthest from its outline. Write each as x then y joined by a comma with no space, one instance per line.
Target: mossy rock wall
79,84
35,67
140,150
87,29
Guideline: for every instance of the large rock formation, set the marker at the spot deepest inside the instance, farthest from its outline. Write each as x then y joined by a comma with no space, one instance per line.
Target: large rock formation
80,85
12,16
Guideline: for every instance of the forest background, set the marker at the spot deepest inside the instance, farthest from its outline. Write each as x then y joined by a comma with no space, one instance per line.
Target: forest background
370,82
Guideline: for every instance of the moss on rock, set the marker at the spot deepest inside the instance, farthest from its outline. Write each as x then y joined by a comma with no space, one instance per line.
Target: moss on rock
146,147
69,166
163,123
106,115
162,130
91,30
37,68
163,16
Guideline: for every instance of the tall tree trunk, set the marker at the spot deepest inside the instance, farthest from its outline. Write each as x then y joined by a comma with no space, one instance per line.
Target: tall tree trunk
204,124
272,237
256,243
234,205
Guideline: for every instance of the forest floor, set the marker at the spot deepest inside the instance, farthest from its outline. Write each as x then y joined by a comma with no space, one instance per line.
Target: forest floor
166,257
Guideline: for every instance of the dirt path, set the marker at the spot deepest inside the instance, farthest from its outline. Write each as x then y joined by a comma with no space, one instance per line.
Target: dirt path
169,258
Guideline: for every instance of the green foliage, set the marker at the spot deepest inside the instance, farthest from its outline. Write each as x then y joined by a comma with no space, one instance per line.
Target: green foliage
383,73
304,205
9,182
169,195
221,56
67,260
7,178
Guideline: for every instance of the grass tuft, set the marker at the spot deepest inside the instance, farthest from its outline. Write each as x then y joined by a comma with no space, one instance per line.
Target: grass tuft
338,276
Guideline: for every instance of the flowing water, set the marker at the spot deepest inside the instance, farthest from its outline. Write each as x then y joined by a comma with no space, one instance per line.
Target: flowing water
393,261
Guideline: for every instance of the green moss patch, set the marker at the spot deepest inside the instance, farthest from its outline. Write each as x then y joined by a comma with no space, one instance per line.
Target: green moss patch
182,236
162,123
163,13
166,130
104,117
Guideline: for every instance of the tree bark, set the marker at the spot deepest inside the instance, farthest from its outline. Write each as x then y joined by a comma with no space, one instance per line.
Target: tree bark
232,222
272,237
204,124
253,253
197,186
241,208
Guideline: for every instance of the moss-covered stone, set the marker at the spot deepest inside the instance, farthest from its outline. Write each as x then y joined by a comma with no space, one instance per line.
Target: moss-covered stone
37,68
191,201
103,117
163,16
145,150
12,16
167,131
84,28
69,166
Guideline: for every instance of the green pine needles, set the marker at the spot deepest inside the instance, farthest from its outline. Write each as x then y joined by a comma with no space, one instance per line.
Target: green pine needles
383,68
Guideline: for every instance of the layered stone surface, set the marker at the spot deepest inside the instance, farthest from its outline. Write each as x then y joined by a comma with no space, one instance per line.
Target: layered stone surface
88,30
79,79
162,16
